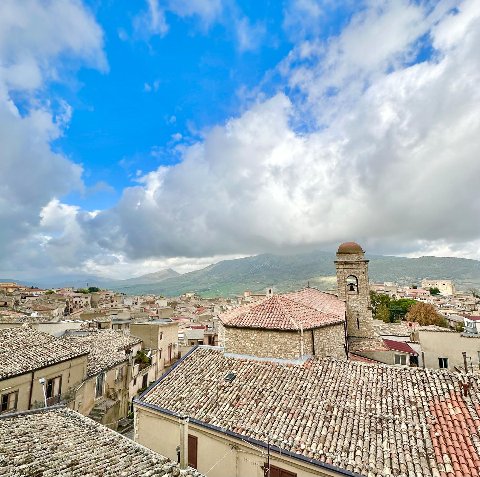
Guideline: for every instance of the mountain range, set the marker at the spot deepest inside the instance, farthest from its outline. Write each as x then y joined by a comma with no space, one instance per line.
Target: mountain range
283,273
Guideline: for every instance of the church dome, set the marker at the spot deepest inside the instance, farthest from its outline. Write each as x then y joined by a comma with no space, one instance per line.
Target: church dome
350,247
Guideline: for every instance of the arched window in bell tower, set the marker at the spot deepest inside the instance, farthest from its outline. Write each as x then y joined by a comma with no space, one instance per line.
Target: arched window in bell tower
352,284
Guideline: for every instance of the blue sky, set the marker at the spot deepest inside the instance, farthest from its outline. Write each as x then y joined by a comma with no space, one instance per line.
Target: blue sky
174,133
159,87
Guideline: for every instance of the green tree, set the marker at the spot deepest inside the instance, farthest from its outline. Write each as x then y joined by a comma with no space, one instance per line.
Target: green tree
399,308
93,289
380,306
434,291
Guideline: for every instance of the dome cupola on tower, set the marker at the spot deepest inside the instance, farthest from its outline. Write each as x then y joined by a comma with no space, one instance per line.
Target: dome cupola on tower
350,247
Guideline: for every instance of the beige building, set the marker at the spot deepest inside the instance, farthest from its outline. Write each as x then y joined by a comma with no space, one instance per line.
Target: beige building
443,349
291,325
108,389
36,367
310,417
446,287
161,335
61,442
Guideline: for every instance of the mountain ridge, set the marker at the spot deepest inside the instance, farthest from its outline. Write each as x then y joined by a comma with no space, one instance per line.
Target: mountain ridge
317,268
284,273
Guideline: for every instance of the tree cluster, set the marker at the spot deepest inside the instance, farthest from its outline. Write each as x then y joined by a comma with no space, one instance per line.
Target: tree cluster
389,309
426,314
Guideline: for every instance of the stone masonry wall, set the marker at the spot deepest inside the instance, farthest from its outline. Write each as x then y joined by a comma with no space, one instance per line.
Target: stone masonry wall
330,341
266,343
359,313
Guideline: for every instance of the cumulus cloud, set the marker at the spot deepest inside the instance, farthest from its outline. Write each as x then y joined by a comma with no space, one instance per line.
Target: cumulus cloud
34,36
372,145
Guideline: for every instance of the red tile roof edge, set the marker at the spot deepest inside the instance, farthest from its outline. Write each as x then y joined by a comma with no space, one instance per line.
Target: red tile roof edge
400,346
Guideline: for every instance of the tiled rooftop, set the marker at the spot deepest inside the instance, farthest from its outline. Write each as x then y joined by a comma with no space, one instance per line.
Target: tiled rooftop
24,349
375,420
61,442
307,308
393,329
106,348
400,346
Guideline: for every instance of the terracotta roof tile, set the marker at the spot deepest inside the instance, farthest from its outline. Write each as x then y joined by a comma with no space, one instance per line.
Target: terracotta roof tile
24,349
400,346
307,308
61,442
375,420
106,348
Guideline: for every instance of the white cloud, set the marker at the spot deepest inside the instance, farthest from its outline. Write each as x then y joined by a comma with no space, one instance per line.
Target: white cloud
33,33
207,10
249,36
152,21
388,159
369,146
34,37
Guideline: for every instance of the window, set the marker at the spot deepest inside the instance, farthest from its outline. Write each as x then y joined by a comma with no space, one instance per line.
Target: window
54,387
9,402
99,385
144,380
273,471
401,359
119,374
443,363
192,451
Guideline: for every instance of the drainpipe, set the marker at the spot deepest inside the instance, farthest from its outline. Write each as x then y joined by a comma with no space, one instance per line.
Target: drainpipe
464,354
302,344
183,443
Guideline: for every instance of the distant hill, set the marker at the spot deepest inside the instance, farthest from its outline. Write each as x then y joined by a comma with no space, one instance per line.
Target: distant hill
282,272
82,281
289,272
148,279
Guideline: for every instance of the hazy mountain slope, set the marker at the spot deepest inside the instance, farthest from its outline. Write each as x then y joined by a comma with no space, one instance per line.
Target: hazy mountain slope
146,279
286,272
283,272
82,281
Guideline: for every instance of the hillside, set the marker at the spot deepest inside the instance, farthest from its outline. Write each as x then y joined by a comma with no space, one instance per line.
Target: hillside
288,272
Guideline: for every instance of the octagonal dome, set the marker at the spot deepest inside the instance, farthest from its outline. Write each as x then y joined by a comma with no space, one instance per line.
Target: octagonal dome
350,247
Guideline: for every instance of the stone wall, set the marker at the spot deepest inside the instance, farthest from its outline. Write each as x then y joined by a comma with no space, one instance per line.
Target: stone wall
330,341
359,313
263,343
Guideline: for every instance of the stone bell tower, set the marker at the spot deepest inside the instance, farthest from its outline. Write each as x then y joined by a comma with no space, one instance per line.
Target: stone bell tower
353,288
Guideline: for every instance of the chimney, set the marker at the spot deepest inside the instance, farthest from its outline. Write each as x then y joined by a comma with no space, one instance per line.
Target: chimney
183,443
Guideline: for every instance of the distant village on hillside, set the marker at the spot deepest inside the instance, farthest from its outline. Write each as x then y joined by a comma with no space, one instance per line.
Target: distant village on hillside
294,384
